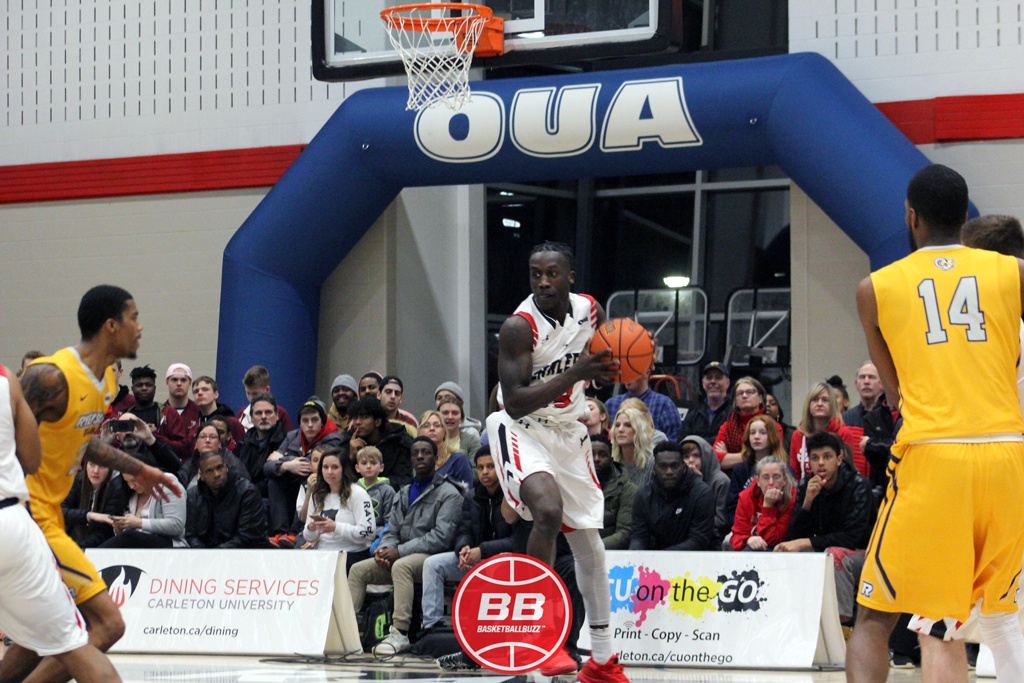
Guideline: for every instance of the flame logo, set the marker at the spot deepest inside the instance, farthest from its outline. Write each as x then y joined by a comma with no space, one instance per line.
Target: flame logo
122,580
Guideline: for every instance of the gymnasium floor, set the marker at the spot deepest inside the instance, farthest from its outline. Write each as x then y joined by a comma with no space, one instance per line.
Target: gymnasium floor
172,668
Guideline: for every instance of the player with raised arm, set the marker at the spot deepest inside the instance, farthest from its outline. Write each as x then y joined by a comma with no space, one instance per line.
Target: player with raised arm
542,450
69,393
942,327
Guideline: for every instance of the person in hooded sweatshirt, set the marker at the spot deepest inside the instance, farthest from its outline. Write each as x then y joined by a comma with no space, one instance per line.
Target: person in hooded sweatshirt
700,457
675,510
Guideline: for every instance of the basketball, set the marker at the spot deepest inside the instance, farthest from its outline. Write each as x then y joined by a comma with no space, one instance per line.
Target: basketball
630,344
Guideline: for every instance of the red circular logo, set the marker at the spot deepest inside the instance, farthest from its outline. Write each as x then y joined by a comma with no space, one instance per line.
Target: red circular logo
511,613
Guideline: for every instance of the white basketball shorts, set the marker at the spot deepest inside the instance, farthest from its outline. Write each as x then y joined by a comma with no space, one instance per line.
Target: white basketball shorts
36,610
562,449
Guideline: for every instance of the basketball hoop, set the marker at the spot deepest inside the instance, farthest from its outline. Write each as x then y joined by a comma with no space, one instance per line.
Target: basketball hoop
437,48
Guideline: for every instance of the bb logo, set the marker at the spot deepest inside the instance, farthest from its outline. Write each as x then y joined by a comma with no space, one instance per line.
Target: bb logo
511,613
122,581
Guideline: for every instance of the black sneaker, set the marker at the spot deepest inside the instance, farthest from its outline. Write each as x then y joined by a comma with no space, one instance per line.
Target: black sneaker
898,661
972,655
457,661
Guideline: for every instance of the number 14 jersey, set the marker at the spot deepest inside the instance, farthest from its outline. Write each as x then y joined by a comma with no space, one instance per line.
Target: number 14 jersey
951,318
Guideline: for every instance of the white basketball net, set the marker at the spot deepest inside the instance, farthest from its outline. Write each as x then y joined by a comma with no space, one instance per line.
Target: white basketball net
437,60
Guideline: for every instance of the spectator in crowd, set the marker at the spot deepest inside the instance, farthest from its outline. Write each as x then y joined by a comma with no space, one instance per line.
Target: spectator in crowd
224,429
618,491
97,493
773,409
144,392
706,419
180,414
340,514
391,392
452,463
483,533
454,390
459,440
369,426
664,412
306,494
424,522
223,510
288,468
124,399
344,392
205,393
760,440
633,445
369,465
874,416
145,521
369,384
142,441
27,359
748,400
265,437
208,439
821,414
700,457
765,507
675,510
597,420
257,381
838,387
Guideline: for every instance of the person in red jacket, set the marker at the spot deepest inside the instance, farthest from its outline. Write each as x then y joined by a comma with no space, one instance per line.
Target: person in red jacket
748,400
765,507
821,414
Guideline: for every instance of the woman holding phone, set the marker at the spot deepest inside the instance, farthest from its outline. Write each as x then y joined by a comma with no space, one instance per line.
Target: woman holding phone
340,515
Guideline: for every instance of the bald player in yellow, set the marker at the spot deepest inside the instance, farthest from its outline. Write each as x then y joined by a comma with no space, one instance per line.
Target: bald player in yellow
942,326
69,393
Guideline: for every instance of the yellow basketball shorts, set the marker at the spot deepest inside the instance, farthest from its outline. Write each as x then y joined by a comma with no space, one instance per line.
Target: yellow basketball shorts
79,574
950,531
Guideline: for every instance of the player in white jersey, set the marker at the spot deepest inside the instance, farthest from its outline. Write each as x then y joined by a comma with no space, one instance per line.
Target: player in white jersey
36,610
542,450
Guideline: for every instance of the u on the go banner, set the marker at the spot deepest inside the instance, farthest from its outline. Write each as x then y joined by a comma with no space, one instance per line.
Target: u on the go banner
220,601
708,609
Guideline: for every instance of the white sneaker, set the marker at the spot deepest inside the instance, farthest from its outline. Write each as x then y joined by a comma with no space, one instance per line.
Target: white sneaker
395,642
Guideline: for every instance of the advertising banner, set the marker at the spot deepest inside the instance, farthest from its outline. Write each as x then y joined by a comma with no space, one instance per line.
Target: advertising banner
220,601
708,609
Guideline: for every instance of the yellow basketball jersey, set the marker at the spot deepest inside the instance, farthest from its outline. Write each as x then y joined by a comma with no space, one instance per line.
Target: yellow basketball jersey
64,441
951,318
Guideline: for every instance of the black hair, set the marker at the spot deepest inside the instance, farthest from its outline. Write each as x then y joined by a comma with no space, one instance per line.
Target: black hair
143,371
668,446
426,439
600,438
825,440
836,382
939,196
484,449
994,233
559,247
368,406
98,305
376,375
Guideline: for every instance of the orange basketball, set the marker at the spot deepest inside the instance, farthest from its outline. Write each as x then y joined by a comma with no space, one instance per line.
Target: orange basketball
630,344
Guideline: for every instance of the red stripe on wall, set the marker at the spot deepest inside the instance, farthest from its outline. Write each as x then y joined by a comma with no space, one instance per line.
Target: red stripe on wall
958,119
197,171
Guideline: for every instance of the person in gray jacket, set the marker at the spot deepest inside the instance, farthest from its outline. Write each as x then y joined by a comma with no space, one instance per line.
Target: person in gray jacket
145,521
424,522
701,458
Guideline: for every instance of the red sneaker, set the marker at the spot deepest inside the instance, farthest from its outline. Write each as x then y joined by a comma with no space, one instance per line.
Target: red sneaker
559,664
609,672
286,541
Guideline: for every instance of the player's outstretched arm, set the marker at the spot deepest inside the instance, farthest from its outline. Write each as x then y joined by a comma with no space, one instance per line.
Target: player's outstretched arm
26,429
878,349
46,391
151,478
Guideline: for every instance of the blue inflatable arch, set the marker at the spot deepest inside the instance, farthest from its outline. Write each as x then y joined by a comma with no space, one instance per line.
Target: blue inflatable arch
797,111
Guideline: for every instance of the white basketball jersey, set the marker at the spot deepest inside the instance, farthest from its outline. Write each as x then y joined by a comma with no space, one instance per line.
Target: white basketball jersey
12,478
556,347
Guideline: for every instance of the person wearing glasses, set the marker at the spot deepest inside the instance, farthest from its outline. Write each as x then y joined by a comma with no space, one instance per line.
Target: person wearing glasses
748,400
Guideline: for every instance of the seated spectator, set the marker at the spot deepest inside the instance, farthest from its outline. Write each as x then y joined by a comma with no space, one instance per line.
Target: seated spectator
146,521
483,533
180,414
452,464
664,413
288,467
97,493
700,457
257,381
632,444
124,399
369,426
760,440
454,390
265,437
765,507
821,414
876,418
369,465
369,385
424,522
148,410
223,425
459,440
597,420
773,409
223,510
391,392
676,510
340,515
306,492
208,438
205,393
748,400
344,392
706,419
839,392
618,491
144,442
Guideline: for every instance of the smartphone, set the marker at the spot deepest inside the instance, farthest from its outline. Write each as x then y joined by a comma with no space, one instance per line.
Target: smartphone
122,426
317,518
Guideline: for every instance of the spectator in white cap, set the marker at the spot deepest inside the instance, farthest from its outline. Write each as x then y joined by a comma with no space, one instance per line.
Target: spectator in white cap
344,391
454,390
181,415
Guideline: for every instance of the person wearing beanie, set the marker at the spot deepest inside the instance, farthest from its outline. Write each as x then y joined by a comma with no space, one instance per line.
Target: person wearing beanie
455,391
344,391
